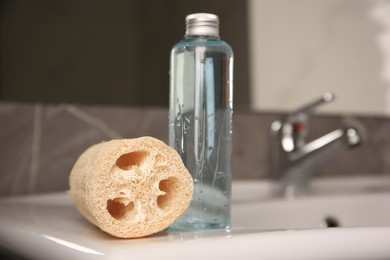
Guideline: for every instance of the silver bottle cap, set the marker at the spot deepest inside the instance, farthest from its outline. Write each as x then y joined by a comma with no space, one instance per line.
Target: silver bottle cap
202,24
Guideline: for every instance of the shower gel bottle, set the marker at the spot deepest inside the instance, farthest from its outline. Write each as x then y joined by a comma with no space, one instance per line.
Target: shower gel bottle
200,120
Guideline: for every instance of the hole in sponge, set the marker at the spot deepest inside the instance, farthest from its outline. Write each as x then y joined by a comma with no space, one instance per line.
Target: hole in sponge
119,207
128,160
170,187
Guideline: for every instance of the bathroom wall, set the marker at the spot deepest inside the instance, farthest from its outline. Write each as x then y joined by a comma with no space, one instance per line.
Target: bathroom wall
105,52
39,143
68,52
303,48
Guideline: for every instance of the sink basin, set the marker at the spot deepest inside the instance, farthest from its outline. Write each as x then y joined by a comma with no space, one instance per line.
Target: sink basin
48,226
361,202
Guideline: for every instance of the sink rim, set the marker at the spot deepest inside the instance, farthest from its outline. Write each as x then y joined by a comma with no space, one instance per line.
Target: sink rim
319,187
38,231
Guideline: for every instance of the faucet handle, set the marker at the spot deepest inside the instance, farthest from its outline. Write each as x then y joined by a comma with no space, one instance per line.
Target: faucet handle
296,129
302,113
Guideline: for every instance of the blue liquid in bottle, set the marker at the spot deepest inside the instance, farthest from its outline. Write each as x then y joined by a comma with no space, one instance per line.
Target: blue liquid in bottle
200,120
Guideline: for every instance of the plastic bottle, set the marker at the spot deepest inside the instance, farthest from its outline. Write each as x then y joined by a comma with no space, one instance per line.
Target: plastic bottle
200,120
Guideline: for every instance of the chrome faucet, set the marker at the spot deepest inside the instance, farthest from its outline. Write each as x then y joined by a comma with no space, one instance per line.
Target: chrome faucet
293,160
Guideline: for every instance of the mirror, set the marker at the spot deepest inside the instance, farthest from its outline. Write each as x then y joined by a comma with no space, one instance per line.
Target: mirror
287,53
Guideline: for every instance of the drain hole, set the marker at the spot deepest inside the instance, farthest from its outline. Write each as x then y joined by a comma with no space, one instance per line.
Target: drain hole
169,186
331,222
128,160
119,207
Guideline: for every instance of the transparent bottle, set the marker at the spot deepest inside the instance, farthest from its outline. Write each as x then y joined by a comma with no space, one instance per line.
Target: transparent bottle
200,120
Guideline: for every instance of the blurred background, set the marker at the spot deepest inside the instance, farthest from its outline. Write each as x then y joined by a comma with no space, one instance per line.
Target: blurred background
117,52
74,73
105,52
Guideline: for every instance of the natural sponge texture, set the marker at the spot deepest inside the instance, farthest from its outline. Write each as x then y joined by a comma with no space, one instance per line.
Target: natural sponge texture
131,187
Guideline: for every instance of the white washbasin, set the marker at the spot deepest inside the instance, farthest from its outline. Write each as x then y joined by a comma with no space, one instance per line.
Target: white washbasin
359,202
49,227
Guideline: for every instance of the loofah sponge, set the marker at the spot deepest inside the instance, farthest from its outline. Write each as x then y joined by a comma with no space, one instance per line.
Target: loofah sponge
131,187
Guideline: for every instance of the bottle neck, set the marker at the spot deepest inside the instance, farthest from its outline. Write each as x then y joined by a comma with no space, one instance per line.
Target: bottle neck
202,37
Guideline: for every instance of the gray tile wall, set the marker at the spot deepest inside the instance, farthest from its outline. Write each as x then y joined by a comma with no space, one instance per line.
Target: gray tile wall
39,143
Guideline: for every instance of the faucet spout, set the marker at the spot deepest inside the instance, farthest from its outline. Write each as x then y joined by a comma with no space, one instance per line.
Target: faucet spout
295,161
347,137
301,165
